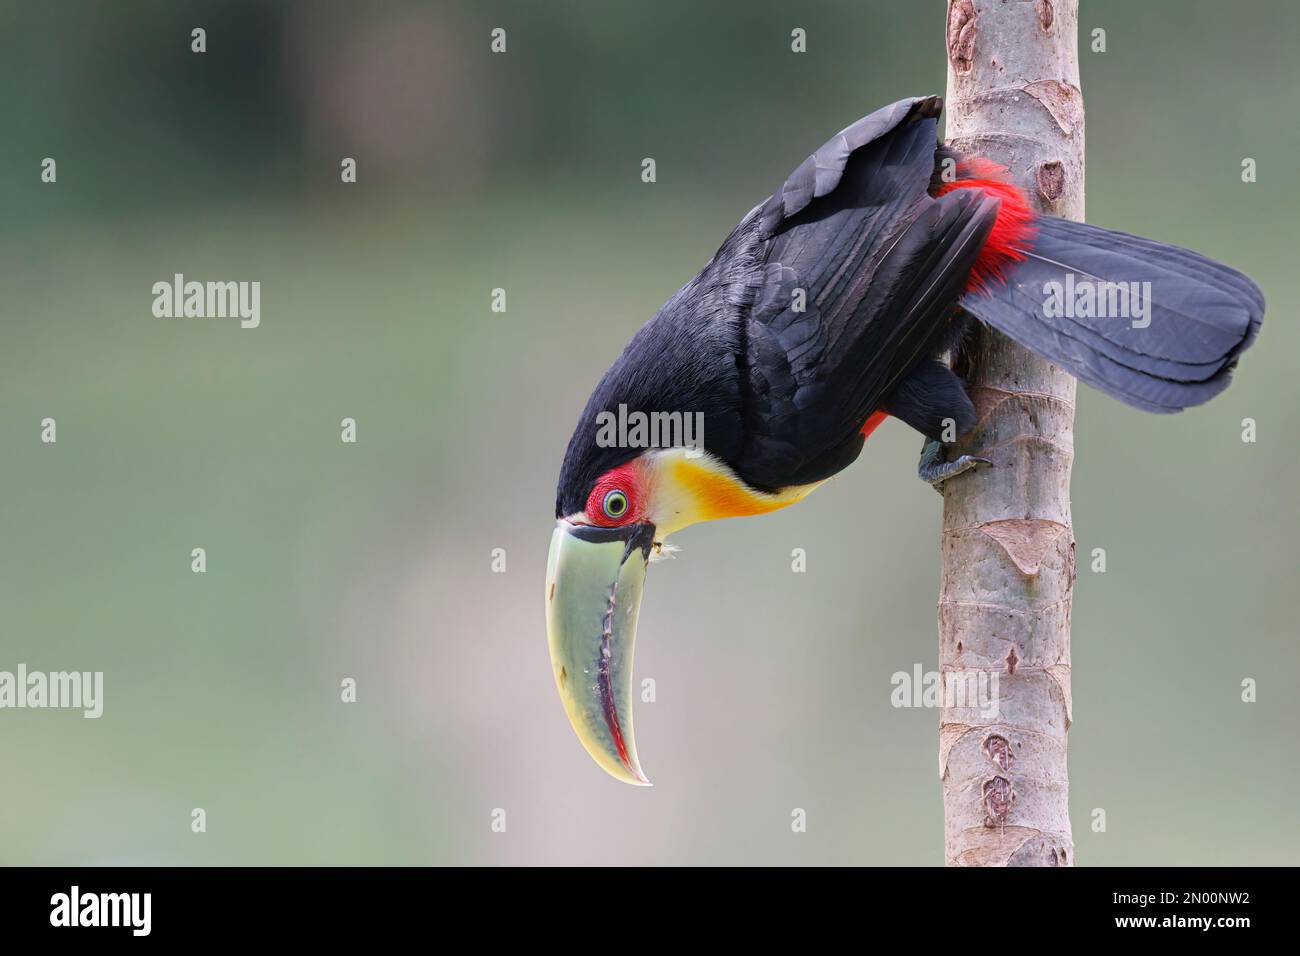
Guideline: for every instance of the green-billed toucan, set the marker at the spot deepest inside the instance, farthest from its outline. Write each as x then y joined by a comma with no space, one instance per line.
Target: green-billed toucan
837,301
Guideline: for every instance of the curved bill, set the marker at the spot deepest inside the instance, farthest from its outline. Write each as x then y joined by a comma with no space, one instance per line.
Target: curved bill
593,592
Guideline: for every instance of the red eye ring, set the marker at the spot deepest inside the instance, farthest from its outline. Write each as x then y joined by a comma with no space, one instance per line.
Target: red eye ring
615,499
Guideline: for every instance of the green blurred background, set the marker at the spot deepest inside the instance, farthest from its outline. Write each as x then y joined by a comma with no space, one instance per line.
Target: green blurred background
373,560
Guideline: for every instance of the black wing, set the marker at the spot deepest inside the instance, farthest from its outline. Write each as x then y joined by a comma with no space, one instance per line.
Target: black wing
880,264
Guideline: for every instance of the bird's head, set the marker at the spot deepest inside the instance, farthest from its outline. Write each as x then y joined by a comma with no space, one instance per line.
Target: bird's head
614,509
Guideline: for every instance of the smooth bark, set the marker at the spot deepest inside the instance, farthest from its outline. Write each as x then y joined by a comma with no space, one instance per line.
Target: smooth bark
1007,545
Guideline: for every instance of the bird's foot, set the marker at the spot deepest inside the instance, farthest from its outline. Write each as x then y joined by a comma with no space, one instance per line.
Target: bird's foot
933,470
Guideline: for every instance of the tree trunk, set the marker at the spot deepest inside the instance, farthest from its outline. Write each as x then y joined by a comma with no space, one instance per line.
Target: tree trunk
1007,546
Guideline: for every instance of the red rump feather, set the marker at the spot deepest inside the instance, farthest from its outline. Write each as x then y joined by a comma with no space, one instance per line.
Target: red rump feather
1010,238
1013,230
873,422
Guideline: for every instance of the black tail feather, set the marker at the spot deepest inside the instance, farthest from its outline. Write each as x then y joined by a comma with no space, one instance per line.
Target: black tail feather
1173,345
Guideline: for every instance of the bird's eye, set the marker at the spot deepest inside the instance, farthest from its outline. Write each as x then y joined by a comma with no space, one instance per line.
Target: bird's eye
615,504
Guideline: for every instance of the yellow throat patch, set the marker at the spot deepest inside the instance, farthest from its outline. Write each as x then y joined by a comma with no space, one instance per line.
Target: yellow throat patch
690,490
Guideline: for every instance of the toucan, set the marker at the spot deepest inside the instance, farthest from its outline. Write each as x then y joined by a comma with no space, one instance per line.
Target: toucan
841,299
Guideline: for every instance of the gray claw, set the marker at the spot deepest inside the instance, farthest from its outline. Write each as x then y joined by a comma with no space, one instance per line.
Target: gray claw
935,471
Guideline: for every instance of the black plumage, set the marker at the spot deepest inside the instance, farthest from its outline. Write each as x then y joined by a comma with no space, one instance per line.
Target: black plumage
1201,315
880,264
